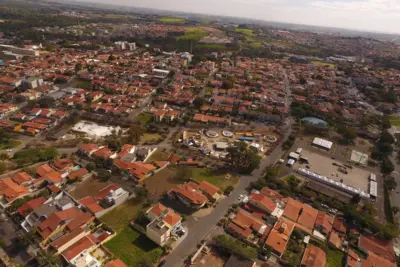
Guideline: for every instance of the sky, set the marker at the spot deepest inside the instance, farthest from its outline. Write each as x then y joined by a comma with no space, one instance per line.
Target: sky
369,15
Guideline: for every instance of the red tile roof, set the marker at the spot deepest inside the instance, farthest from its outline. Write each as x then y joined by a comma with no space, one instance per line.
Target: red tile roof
208,188
27,208
62,164
325,221
263,201
91,203
43,170
21,177
308,216
314,257
190,193
292,209
80,246
338,225
382,248
47,227
116,263
374,260
157,209
104,192
78,173
280,234
271,193
10,190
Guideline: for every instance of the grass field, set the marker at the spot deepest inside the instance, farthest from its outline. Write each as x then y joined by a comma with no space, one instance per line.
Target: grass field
120,217
334,258
217,179
211,46
10,144
89,187
133,248
149,137
161,182
172,20
193,34
323,64
144,118
158,156
245,31
394,121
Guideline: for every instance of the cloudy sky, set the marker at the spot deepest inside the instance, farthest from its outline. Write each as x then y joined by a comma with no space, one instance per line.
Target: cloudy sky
373,15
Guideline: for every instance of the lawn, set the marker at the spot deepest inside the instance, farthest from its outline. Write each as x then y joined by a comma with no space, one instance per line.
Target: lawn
323,64
193,34
172,20
394,121
144,118
211,46
10,144
161,182
334,258
245,31
81,84
120,217
217,179
158,156
133,248
89,187
149,137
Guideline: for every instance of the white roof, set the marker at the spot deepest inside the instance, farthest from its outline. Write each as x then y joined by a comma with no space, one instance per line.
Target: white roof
290,161
372,176
373,188
322,143
359,157
294,155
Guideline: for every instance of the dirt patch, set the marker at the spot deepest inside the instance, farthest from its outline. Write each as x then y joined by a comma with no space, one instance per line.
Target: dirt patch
89,187
211,259
161,182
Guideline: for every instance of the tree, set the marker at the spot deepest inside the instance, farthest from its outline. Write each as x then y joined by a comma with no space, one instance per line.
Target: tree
78,67
227,84
103,174
182,174
134,134
387,166
4,156
228,190
144,262
243,158
141,193
46,102
386,137
395,209
298,112
111,58
198,102
355,199
348,134
390,183
20,99
90,166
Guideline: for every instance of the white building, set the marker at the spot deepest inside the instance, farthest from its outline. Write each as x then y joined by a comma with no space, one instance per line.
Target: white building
359,158
158,73
322,143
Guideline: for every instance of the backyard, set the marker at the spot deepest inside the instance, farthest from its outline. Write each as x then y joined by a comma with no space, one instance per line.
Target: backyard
161,182
133,248
119,218
334,258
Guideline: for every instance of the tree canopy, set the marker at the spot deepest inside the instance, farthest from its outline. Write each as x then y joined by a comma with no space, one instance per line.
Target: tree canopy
243,159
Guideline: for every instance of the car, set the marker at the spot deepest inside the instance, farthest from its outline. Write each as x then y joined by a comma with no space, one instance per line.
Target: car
162,263
307,166
240,197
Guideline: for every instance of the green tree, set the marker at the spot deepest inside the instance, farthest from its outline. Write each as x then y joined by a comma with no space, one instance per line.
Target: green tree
90,166
198,102
387,166
227,84
390,183
243,158
183,173
78,67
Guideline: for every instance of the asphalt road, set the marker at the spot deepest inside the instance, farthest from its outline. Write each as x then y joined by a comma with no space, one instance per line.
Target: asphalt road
205,224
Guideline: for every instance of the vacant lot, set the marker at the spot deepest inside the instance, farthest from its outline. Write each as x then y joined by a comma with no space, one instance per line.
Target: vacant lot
89,187
394,121
172,20
221,180
133,248
120,217
247,32
150,137
334,258
158,156
193,34
11,143
161,182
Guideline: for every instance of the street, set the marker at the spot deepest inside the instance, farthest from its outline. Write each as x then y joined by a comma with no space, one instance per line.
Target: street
205,224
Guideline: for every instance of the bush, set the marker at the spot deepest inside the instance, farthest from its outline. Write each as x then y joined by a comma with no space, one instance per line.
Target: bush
29,156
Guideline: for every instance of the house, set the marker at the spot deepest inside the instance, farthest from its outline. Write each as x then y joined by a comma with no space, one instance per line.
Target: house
382,248
29,206
137,170
261,202
164,222
53,178
126,150
115,197
188,195
81,173
375,260
210,191
307,216
324,223
22,178
339,226
63,165
279,236
79,253
272,194
88,149
244,225
234,261
66,240
352,259
60,202
104,153
144,153
10,191
303,214
292,209
115,263
43,170
334,240
313,257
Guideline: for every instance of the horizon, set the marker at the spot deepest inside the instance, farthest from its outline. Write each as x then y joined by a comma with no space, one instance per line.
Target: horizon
379,16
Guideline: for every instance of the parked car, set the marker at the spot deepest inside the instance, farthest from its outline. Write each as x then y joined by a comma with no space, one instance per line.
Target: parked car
162,263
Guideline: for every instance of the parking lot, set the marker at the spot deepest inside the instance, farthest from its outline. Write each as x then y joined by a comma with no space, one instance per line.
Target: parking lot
324,165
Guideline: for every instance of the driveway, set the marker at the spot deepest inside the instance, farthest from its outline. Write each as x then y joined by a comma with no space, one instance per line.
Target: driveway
203,226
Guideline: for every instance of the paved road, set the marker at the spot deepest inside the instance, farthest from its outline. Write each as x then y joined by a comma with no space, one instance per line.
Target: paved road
205,224
395,197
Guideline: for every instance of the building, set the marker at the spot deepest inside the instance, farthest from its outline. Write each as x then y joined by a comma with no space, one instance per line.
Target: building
79,253
212,192
164,223
188,195
382,248
10,191
246,226
279,236
359,158
324,223
322,143
313,257
234,261
161,74
115,197
261,202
